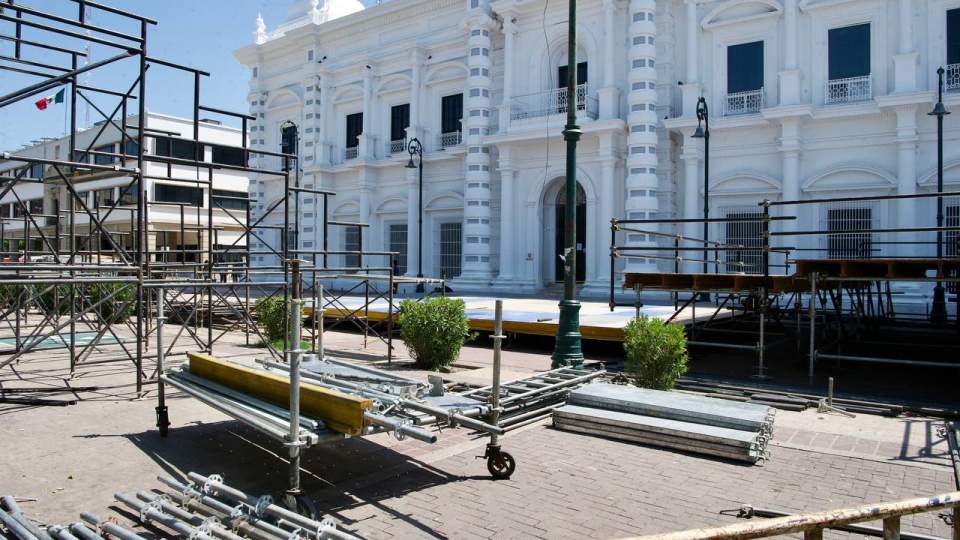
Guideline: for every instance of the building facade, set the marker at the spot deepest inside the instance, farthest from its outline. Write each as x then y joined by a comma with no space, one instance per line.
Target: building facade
807,99
178,217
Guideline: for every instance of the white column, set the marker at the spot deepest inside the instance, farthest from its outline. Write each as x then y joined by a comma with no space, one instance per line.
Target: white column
691,198
789,78
509,36
691,86
325,154
906,176
508,222
905,62
366,146
413,215
605,204
477,229
609,93
416,67
641,181
790,156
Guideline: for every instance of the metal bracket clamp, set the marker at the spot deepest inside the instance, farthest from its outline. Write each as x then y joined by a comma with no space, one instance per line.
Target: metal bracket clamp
326,525
456,411
260,508
205,528
298,534
154,505
210,486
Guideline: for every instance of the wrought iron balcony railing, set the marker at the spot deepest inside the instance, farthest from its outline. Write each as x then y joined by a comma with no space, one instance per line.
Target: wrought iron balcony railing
447,140
553,102
952,78
746,102
849,90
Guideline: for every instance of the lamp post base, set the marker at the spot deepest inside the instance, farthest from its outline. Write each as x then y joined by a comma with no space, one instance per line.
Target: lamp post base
568,351
938,311
420,284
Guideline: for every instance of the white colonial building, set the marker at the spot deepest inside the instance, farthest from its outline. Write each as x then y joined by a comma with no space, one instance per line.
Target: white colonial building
806,98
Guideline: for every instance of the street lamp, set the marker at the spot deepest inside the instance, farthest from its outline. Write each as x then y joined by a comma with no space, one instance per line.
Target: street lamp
703,132
938,312
568,351
414,147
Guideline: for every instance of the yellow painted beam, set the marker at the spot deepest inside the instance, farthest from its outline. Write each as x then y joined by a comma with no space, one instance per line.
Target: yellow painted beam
341,412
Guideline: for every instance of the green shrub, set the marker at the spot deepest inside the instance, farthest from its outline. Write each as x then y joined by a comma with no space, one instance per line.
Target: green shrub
656,352
434,330
120,307
272,316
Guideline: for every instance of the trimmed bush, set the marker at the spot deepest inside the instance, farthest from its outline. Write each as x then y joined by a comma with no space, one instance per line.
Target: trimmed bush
272,317
656,352
434,330
113,311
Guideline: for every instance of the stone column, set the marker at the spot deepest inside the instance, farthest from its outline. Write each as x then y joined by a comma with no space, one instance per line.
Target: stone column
509,36
366,144
477,229
609,93
789,78
325,155
508,215
790,156
905,62
691,87
906,209
641,181
413,215
416,68
691,198
605,212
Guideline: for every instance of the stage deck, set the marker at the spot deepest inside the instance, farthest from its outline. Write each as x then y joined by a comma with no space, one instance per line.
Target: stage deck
533,316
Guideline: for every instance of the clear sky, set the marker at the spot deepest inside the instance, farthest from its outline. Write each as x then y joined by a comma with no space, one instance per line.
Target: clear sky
198,33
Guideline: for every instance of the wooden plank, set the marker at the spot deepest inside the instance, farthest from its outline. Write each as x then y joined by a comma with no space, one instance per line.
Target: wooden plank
703,282
865,268
750,281
341,412
678,281
643,279
824,267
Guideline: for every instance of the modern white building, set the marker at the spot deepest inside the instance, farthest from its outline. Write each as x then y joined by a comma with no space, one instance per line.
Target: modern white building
806,99
178,218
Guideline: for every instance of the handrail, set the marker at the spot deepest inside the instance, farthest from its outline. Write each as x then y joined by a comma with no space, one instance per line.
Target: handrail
812,524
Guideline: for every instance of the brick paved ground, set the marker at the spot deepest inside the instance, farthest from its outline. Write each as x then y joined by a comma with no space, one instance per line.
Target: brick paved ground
566,486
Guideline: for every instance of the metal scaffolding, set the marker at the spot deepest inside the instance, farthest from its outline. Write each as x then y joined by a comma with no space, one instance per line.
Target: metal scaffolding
848,270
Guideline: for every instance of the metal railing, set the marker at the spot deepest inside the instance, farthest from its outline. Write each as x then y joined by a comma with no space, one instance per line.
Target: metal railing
849,90
952,80
746,102
446,140
351,152
396,147
813,524
553,102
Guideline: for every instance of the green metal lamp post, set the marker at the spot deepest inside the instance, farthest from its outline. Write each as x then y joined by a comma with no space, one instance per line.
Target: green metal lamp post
568,351
938,312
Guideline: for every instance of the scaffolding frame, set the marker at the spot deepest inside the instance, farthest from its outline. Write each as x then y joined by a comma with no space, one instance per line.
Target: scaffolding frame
853,293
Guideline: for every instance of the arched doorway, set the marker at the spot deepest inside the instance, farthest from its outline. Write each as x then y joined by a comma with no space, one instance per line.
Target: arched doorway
560,207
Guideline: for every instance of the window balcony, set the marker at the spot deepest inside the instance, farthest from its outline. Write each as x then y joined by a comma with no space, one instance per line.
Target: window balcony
351,152
952,78
552,102
448,140
849,90
746,102
398,146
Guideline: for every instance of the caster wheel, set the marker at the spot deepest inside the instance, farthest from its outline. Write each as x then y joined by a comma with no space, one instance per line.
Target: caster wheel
302,505
501,465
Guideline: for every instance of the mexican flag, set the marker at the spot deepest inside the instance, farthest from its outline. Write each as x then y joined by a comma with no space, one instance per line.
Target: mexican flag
56,98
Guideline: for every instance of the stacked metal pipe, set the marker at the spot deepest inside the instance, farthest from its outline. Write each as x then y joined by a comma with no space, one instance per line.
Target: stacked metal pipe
684,422
204,508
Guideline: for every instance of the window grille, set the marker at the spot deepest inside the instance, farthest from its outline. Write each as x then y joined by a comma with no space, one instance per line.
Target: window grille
398,243
351,242
747,236
841,217
951,239
451,245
